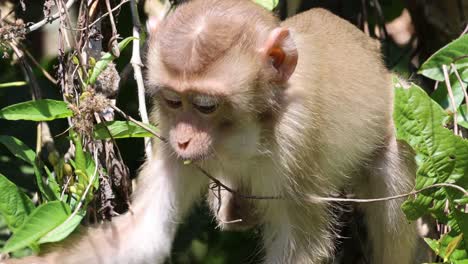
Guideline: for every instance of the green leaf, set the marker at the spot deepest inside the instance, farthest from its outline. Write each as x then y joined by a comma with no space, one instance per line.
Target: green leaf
40,110
268,4
101,65
462,201
63,230
80,159
44,189
433,244
461,221
455,52
121,129
84,165
18,149
452,245
12,84
462,116
15,206
41,221
442,156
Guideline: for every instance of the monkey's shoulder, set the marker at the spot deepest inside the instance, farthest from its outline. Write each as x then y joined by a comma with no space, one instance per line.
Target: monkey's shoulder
321,24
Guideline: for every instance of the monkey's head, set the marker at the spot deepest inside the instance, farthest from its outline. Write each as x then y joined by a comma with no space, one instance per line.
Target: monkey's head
217,75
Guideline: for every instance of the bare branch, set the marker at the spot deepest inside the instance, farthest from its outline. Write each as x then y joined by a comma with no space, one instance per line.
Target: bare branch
136,63
46,20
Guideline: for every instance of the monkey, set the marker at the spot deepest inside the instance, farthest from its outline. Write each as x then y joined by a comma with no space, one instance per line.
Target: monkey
289,111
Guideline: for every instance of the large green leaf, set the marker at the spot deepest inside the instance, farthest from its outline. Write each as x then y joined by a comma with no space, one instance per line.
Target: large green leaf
40,110
121,129
108,57
41,221
455,52
62,231
442,157
18,148
15,206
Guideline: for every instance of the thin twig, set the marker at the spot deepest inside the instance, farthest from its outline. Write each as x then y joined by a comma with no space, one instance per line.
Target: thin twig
365,24
218,183
137,64
142,125
44,72
314,199
452,99
464,31
113,44
311,198
7,15
381,18
64,19
100,18
46,20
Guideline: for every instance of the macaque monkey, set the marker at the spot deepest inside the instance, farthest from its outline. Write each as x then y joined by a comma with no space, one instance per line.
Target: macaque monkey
293,110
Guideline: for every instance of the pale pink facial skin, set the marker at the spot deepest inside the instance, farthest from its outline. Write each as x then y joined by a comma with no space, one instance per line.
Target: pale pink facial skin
197,132
190,139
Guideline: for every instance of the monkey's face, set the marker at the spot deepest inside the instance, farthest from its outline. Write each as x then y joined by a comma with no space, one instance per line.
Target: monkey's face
214,80
200,126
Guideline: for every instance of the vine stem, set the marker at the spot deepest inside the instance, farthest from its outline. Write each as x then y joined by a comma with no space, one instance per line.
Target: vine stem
310,198
137,64
315,199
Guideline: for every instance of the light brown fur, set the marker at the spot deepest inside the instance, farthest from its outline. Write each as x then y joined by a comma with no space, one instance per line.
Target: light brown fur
324,129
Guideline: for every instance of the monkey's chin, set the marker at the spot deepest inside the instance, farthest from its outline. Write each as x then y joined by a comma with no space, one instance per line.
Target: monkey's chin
194,158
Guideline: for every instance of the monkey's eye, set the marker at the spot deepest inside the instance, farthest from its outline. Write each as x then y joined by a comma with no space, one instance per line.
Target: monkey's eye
172,99
205,104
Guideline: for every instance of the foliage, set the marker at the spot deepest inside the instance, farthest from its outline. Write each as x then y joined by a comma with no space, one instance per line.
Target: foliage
441,156
65,191
102,64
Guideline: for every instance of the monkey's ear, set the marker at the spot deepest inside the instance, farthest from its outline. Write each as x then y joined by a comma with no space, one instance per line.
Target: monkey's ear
280,50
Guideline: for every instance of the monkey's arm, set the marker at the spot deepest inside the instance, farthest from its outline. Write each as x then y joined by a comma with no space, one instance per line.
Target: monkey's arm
165,192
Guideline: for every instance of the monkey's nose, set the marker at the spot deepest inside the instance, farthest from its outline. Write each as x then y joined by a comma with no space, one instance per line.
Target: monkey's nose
183,145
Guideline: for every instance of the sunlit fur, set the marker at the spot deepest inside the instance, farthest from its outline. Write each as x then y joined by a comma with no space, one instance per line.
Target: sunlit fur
326,130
